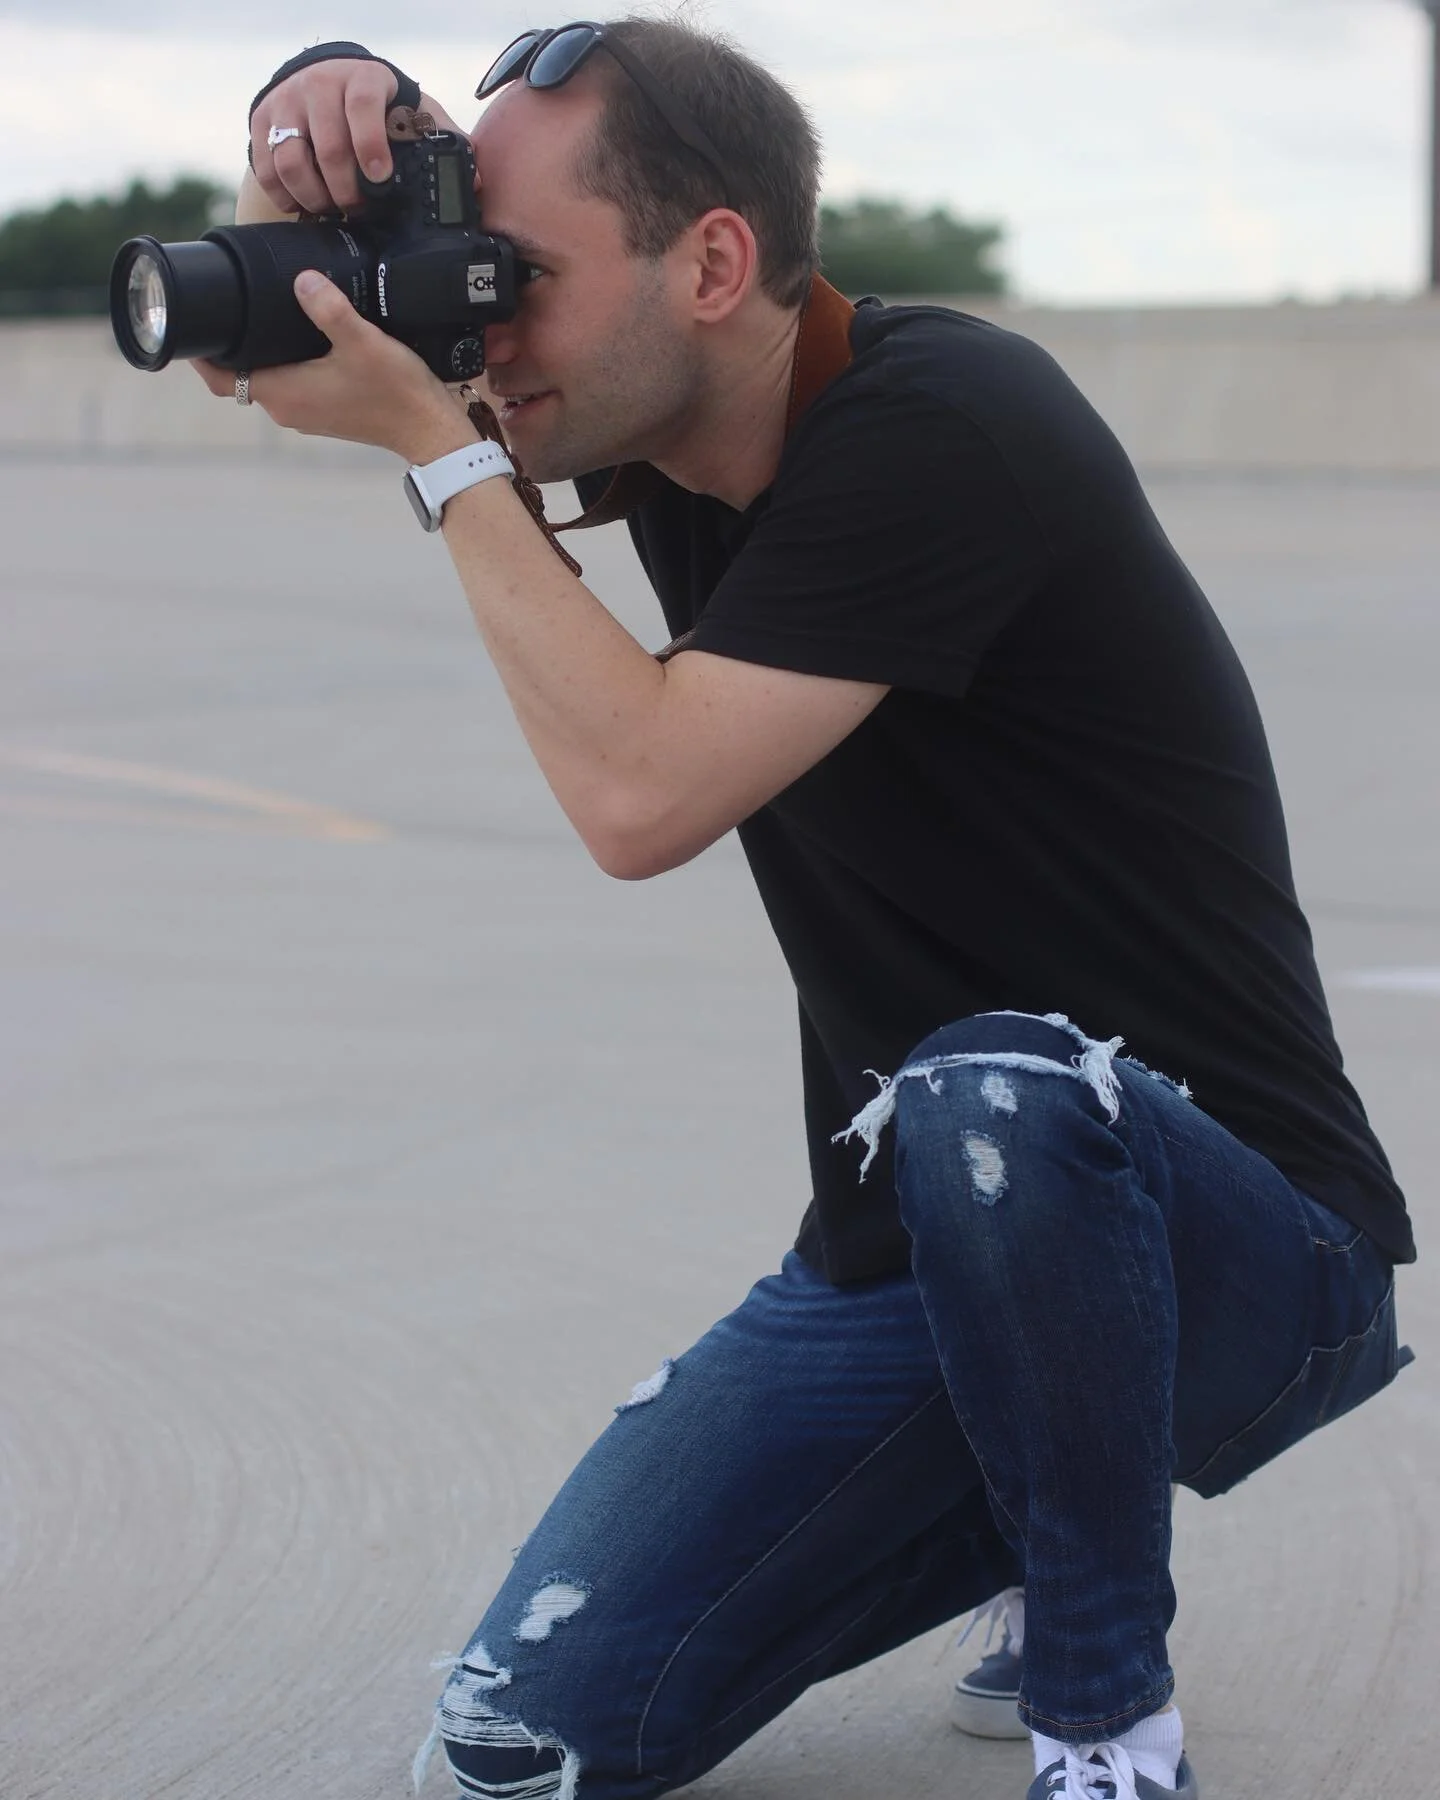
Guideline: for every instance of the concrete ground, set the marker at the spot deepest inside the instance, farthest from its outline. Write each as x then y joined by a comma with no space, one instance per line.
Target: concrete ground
362,1145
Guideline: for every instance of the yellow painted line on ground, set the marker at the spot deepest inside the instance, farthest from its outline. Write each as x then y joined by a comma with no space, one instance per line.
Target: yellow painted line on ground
256,806
58,809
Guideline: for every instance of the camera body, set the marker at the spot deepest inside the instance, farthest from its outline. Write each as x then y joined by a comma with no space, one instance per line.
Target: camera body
439,277
414,260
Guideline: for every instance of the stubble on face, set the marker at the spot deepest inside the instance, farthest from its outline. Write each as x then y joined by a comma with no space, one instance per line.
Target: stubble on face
627,398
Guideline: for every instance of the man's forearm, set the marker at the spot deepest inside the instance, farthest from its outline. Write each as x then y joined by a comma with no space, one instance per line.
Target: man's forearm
587,695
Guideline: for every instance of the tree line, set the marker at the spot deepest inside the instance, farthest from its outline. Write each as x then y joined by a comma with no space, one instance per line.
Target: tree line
56,260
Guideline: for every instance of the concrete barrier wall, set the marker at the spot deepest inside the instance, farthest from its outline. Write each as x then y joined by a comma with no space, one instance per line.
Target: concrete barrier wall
1347,388
65,387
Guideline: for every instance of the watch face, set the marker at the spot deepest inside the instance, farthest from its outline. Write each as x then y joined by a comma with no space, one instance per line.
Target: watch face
427,514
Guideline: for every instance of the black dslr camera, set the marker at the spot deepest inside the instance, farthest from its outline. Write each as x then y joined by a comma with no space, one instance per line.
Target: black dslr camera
415,262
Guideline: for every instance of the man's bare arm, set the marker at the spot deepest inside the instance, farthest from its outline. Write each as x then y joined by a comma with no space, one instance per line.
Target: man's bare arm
651,763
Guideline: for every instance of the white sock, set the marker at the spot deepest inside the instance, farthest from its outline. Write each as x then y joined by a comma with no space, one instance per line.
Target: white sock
1154,1745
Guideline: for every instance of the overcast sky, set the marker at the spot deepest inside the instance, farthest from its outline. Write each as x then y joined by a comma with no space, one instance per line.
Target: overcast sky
1149,150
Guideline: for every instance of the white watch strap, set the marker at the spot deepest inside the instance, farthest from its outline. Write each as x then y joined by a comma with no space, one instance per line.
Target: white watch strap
430,486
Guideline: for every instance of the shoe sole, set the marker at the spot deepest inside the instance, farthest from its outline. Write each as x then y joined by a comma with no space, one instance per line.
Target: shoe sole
986,1715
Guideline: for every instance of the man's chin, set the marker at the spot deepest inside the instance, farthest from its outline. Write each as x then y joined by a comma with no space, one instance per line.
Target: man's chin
549,463
550,452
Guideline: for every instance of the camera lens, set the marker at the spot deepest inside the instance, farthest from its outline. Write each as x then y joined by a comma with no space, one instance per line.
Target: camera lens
230,296
145,298
169,300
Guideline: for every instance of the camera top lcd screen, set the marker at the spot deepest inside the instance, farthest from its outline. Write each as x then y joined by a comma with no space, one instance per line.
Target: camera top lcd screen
452,211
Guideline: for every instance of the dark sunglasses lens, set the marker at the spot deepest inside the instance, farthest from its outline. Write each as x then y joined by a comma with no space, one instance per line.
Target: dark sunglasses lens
562,56
508,64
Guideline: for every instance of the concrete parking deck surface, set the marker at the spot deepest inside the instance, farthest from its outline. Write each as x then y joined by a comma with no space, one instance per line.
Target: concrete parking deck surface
363,1145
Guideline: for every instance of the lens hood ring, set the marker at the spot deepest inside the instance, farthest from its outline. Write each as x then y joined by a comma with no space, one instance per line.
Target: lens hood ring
135,250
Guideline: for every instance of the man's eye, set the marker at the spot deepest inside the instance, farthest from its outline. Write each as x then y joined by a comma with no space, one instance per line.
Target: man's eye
532,271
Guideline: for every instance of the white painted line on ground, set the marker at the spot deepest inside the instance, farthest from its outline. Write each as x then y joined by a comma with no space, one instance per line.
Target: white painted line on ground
260,804
1395,981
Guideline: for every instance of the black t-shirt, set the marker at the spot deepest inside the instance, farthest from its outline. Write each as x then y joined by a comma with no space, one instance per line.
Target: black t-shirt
1066,803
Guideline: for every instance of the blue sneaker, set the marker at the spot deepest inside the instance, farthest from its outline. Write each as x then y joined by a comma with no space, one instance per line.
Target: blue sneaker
1108,1774
985,1699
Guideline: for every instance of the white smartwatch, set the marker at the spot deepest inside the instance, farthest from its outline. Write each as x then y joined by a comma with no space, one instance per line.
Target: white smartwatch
427,488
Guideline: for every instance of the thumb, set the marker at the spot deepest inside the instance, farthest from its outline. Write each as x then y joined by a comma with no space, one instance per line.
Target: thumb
324,304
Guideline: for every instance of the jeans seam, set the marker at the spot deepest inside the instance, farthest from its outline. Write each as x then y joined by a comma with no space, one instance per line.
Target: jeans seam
785,1674
1162,1693
941,1393
1214,1162
1224,1169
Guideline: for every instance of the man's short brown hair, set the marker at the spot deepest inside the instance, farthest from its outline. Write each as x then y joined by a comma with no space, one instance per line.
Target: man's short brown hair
768,147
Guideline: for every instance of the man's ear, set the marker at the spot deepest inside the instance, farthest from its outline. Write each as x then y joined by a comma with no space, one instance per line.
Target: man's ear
726,264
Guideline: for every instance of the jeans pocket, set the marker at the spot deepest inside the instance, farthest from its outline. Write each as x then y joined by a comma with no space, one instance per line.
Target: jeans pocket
1330,1382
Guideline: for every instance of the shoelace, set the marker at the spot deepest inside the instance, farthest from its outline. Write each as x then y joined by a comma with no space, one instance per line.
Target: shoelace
1093,1772
1005,1613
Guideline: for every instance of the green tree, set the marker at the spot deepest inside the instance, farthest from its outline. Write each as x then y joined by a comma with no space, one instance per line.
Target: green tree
57,259
884,247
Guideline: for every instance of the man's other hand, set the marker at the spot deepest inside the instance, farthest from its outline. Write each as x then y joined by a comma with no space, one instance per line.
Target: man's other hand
343,111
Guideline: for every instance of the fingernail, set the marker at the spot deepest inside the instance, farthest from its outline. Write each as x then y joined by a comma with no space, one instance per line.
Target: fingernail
377,168
309,281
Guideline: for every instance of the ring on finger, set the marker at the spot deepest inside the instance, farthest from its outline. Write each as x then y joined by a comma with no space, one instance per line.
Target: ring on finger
242,387
279,134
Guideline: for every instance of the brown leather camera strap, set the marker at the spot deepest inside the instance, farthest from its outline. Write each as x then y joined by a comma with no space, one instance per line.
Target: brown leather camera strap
822,350
482,417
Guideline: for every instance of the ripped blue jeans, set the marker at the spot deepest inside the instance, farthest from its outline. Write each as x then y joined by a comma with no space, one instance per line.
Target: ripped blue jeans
1108,1293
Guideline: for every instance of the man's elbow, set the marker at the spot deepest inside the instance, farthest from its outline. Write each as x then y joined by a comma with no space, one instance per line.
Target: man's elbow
629,868
638,845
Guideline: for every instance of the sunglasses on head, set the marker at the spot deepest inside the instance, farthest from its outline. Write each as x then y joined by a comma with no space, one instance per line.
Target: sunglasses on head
547,59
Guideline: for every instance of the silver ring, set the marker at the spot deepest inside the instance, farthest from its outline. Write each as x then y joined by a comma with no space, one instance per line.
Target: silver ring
242,387
278,134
